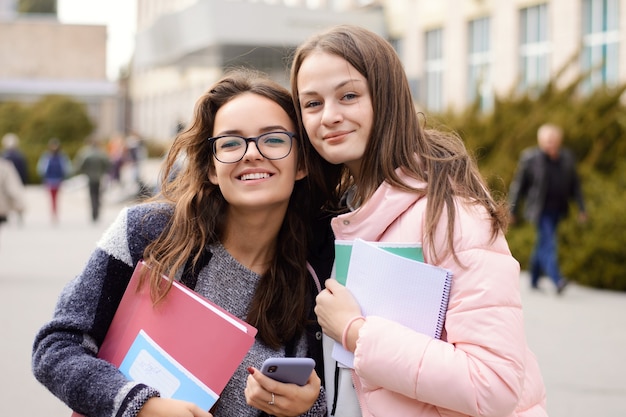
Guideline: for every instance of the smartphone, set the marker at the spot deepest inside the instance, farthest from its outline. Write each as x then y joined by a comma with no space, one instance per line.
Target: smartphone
289,370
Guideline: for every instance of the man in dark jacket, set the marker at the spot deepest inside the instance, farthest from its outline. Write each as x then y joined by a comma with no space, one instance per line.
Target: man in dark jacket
546,179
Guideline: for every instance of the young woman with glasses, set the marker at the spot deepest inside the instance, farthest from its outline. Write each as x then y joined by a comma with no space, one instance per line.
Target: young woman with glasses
233,224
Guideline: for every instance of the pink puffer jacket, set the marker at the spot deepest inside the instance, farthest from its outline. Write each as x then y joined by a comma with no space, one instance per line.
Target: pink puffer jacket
482,366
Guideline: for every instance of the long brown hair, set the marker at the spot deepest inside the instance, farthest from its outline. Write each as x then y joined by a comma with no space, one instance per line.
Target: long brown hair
397,137
279,306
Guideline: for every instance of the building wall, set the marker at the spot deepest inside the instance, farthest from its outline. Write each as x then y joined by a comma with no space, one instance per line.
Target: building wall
40,56
183,46
565,31
54,50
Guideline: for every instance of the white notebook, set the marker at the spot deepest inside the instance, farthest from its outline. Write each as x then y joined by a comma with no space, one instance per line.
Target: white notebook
409,292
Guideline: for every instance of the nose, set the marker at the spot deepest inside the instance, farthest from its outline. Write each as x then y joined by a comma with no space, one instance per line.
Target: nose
331,114
252,151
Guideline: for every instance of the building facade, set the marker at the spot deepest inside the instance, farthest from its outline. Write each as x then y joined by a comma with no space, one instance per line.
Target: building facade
459,51
42,56
183,46
455,52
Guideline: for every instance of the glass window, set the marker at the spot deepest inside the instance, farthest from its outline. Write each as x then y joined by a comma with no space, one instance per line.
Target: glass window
434,67
479,59
600,42
534,47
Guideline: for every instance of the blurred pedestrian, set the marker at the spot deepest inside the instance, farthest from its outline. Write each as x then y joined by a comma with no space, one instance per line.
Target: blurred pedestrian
117,156
136,154
93,162
547,180
11,191
10,143
54,166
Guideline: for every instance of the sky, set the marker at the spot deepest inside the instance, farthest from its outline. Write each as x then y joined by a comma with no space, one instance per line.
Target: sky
120,18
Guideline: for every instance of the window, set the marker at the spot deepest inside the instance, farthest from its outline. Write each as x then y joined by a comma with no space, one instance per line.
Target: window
600,42
433,77
479,59
534,47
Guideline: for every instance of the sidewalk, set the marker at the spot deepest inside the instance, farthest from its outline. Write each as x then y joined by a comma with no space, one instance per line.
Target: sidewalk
579,338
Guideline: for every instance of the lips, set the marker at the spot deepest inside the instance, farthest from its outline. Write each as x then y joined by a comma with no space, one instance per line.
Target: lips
335,135
254,176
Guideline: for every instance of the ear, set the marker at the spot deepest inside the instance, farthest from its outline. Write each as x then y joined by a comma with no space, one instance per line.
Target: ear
213,176
301,173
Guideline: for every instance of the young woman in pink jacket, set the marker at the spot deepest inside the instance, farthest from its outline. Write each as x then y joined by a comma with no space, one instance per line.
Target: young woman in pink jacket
393,180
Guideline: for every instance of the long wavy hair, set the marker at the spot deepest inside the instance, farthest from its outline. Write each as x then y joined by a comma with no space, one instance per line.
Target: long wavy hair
397,137
279,306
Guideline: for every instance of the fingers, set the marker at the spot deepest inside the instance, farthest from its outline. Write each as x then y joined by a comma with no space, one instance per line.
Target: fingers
166,407
279,399
258,397
332,284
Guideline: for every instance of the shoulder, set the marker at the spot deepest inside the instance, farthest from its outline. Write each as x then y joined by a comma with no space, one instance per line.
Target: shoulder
149,217
133,229
472,228
530,153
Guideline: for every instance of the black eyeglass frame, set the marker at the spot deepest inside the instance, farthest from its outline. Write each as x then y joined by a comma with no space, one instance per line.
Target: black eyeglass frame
254,139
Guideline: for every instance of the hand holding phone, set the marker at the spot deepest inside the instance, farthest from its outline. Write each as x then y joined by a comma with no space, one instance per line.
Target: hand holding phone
289,370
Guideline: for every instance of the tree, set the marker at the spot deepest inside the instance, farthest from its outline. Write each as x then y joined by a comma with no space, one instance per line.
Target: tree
53,116
595,129
38,6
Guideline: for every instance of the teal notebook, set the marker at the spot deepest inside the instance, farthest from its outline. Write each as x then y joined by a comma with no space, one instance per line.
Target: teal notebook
343,250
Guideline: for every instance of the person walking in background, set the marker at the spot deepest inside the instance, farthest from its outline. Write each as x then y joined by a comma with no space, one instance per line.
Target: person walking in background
394,181
93,162
546,179
12,198
136,154
12,152
116,149
53,167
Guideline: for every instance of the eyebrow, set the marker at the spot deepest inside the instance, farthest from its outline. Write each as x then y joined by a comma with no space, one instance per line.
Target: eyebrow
266,129
337,87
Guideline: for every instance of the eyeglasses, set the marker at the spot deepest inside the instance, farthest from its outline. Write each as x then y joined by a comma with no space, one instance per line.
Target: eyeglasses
229,149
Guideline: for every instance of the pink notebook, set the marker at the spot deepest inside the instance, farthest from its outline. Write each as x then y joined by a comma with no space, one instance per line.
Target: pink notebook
186,347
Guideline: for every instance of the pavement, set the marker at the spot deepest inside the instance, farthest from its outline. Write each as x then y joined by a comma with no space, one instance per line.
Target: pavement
579,337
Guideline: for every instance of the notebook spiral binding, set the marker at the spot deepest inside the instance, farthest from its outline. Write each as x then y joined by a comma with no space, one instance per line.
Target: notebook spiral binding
443,308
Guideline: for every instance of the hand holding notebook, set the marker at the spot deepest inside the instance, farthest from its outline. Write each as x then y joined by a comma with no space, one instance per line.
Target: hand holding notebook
409,292
186,347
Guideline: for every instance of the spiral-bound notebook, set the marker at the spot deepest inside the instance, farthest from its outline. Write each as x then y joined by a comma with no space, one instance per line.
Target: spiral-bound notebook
409,292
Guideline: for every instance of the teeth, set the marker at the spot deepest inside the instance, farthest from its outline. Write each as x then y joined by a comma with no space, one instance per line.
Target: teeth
255,176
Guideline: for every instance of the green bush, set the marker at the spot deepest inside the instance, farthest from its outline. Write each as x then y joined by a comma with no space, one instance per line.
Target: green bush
595,129
53,116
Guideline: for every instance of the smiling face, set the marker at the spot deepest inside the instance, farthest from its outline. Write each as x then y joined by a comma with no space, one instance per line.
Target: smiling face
336,107
255,181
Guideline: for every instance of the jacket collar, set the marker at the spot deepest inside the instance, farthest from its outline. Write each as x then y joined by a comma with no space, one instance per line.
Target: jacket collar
371,220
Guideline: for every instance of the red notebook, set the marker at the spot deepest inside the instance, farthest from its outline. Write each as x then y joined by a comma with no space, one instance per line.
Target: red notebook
186,347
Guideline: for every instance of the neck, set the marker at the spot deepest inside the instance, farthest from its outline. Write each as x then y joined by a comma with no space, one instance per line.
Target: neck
251,237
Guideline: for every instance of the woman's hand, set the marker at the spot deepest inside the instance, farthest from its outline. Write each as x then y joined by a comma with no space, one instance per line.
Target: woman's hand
288,399
335,307
167,407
